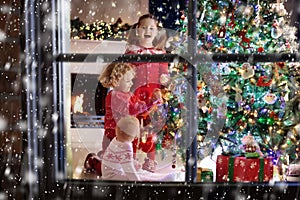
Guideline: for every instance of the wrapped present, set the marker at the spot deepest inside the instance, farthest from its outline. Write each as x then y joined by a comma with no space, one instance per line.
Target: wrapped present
293,171
204,175
243,169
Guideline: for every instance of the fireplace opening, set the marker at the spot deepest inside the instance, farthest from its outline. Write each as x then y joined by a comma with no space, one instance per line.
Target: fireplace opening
87,101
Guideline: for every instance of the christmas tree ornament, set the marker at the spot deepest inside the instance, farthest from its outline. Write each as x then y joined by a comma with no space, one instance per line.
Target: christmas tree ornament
279,8
250,145
257,20
248,12
247,71
222,32
260,49
238,96
253,81
270,98
264,81
183,17
276,31
231,24
245,41
174,155
275,117
201,101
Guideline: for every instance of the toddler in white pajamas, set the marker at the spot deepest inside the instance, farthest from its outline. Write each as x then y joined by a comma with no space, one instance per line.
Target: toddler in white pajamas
118,162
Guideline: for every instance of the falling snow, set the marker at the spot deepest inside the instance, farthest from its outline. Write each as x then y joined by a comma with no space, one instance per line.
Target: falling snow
33,154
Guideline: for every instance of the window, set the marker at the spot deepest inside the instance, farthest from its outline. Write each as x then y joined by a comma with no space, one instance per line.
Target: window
76,69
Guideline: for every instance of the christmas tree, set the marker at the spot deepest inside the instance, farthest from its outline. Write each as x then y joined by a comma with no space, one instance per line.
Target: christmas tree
262,97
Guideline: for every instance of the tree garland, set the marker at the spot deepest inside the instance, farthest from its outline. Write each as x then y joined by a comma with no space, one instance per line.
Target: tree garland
99,30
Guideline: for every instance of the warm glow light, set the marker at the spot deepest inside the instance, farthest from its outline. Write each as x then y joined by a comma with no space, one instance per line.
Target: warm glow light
78,104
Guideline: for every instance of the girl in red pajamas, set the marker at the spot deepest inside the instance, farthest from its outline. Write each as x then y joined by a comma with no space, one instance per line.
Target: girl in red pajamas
119,102
146,38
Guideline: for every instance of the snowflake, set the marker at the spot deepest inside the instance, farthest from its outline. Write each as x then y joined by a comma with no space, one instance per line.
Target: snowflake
270,163
266,177
220,160
168,143
3,123
109,156
118,157
207,177
127,156
238,179
253,164
242,164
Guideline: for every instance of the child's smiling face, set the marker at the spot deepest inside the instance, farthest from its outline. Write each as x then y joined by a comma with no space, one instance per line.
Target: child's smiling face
147,30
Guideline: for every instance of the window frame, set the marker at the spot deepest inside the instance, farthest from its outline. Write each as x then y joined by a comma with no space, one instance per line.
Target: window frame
44,68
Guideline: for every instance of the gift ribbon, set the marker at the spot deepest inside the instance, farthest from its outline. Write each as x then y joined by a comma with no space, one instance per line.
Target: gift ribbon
261,170
231,169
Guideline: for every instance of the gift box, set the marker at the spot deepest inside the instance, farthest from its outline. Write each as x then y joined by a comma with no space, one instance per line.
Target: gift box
243,169
293,172
204,175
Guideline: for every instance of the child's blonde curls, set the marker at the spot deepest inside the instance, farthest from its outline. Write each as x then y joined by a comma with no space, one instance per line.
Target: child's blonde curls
113,73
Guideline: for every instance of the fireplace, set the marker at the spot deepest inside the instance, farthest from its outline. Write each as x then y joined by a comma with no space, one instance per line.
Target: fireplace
87,96
84,102
87,101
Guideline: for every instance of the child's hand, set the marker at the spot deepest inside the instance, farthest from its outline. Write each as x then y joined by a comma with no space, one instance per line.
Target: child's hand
164,79
157,96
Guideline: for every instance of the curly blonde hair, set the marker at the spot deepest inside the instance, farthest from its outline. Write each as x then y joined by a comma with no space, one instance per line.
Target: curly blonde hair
128,125
113,73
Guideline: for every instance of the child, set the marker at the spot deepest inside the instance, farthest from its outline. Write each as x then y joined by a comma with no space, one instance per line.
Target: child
118,162
119,102
147,38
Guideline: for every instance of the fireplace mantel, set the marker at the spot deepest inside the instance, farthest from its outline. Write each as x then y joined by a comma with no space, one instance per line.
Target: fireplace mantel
97,46
94,46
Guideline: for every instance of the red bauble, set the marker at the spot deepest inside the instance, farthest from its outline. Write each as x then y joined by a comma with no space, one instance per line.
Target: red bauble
280,65
274,115
214,7
260,49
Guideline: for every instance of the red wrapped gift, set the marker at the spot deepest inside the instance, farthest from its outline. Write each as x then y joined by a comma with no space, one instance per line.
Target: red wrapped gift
242,169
